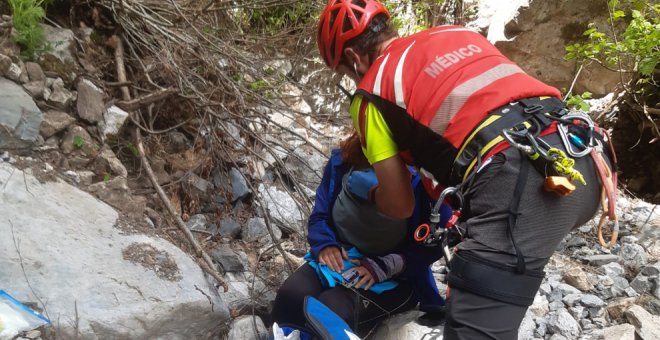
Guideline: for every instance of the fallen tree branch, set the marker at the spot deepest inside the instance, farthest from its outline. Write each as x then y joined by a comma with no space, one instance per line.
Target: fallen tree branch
206,263
132,105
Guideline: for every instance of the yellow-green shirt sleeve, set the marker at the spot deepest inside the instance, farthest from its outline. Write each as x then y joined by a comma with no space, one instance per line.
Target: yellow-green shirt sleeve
378,143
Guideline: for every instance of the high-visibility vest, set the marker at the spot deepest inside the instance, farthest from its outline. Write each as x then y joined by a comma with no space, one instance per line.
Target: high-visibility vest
449,78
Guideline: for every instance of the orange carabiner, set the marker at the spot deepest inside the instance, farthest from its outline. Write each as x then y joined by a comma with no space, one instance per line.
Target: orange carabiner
422,232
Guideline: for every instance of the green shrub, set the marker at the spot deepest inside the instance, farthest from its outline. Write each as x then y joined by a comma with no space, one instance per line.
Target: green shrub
636,49
26,15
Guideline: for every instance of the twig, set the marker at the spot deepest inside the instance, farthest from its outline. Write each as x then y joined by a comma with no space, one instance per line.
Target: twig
20,260
207,296
206,263
577,75
9,179
648,218
132,105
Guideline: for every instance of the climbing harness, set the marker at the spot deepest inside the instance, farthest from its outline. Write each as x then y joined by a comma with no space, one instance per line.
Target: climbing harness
447,236
520,124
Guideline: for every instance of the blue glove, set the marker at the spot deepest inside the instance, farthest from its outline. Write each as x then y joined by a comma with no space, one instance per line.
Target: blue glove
363,184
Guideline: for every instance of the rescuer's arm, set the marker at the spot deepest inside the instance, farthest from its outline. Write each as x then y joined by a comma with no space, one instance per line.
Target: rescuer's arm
393,196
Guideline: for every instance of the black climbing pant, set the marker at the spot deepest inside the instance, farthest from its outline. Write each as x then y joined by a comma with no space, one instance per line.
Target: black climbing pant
362,310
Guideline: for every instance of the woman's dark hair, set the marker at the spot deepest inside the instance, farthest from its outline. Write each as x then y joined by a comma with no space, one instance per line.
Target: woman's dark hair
351,152
379,30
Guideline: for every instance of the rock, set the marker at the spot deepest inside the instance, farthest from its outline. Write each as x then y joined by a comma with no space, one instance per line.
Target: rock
81,254
563,323
34,71
77,138
540,306
620,286
641,284
647,325
616,309
619,332
178,142
20,117
306,165
557,23
35,89
571,299
590,300
116,193
197,222
633,256
54,122
526,328
113,120
5,64
230,260
282,209
656,287
613,269
629,239
567,289
14,72
578,312
242,328
60,97
33,334
575,242
599,260
652,269
62,42
557,337
257,231
229,228
107,159
86,177
90,103
541,327
197,186
405,326
631,292
577,278
239,187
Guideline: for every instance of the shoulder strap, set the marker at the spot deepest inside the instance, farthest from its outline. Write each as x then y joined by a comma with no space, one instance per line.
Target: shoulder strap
430,151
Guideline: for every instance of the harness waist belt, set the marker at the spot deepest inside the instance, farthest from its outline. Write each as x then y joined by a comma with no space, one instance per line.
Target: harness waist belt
496,281
487,134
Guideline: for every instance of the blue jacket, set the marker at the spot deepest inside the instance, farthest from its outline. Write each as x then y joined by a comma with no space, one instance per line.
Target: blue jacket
321,232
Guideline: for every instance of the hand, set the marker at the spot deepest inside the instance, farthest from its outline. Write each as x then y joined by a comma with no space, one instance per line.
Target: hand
333,257
363,183
365,278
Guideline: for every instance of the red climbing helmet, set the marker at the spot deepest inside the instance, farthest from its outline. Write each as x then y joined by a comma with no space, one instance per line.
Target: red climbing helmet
341,21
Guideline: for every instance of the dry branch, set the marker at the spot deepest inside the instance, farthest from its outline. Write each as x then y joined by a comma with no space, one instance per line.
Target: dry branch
134,104
206,263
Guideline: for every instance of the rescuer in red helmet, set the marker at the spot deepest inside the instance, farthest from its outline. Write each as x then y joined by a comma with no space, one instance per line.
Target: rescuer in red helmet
447,101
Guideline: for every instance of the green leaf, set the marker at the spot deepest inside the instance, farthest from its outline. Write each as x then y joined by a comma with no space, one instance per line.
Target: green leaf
647,65
78,141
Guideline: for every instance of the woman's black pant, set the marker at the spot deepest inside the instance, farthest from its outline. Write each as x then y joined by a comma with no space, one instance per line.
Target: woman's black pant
361,310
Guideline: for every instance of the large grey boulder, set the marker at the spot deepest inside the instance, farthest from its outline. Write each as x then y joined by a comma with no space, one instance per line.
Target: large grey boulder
113,285
539,34
20,118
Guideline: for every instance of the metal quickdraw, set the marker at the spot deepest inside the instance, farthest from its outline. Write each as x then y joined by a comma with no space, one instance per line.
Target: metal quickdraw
432,234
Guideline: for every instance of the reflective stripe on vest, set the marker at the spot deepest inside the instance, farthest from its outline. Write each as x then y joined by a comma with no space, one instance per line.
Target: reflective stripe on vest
444,74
